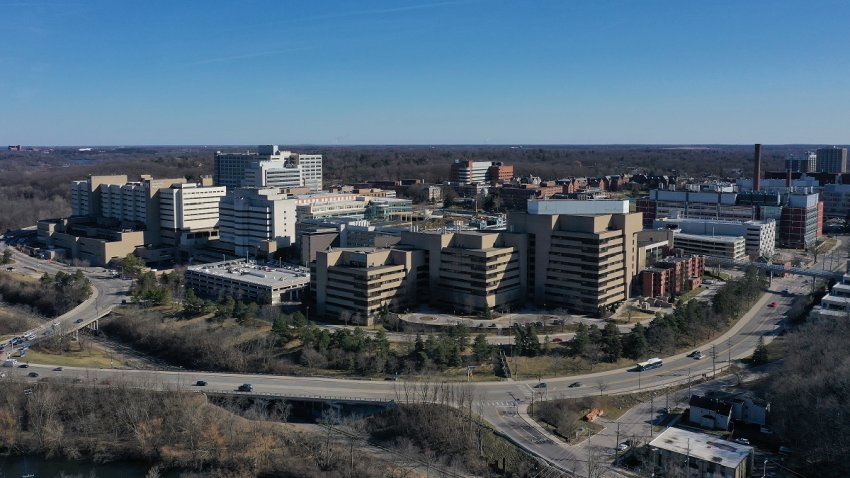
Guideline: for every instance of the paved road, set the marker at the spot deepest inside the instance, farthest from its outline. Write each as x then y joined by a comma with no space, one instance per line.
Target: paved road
107,292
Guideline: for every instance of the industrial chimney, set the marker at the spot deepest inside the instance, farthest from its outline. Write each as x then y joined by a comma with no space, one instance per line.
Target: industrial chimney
757,169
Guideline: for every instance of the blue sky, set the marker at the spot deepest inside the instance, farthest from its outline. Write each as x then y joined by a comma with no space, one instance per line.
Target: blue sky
424,72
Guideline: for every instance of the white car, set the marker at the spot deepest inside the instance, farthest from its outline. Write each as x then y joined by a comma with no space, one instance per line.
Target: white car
623,446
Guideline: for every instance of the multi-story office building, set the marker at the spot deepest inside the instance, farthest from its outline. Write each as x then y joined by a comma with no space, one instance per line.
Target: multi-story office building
269,166
471,271
836,201
583,259
357,284
258,221
807,163
760,236
469,172
189,213
690,204
802,221
248,281
796,213
727,247
165,212
280,174
831,160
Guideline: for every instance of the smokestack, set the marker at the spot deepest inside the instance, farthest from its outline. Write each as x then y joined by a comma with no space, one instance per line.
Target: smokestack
757,169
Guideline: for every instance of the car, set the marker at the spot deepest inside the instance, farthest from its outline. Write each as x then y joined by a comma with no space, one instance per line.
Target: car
786,292
33,374
246,387
623,446
697,355
742,441
575,384
557,340
491,326
78,321
57,369
541,385
766,430
201,383
24,365
772,304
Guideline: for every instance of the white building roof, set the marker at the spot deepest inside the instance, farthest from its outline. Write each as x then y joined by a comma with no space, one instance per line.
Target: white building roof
702,446
577,206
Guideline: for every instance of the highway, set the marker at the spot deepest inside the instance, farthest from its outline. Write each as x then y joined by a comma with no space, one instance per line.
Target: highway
107,292
502,403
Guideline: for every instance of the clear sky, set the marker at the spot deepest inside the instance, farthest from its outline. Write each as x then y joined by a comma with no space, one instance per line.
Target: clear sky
118,72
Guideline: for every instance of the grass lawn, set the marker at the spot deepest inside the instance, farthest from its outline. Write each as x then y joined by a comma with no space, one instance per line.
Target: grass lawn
689,295
93,356
826,245
551,366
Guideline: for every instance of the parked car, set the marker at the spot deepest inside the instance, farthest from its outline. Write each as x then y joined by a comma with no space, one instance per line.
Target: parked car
33,374
623,446
575,384
742,441
541,385
246,387
201,383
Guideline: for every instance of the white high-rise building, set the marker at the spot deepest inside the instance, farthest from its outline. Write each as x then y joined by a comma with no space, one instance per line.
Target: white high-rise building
268,167
257,219
190,206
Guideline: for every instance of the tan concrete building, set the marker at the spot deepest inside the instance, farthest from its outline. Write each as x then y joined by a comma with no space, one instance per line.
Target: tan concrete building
77,238
583,262
361,282
472,271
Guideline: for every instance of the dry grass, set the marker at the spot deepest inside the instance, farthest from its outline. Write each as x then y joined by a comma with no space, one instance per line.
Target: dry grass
92,355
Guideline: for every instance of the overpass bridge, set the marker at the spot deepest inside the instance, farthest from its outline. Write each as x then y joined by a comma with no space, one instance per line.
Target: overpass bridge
776,268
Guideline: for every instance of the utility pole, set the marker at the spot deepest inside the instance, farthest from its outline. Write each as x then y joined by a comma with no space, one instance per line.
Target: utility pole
729,343
617,446
667,398
689,383
713,362
651,415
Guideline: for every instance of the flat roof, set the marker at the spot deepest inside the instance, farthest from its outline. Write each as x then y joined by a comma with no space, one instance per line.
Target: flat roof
253,273
700,237
702,446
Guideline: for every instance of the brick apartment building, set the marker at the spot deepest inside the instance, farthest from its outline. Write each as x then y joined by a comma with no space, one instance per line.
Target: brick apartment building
672,276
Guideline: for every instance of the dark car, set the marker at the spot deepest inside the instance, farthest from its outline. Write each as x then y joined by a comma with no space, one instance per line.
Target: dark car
541,385
33,374
246,387
575,384
78,321
24,365
57,369
201,383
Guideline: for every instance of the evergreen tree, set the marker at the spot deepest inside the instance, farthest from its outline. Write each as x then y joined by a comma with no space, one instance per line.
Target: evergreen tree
481,349
760,355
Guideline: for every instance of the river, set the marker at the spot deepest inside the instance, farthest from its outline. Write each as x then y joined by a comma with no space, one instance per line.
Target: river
36,467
